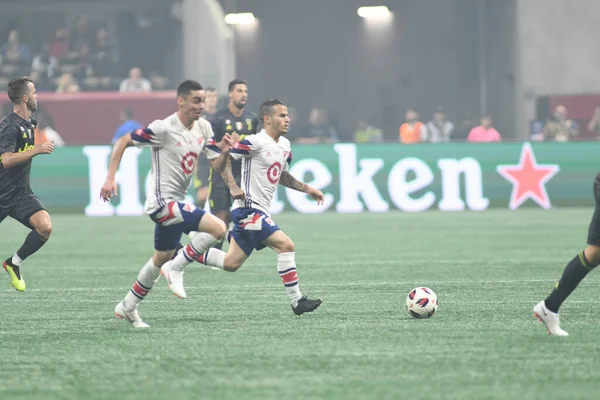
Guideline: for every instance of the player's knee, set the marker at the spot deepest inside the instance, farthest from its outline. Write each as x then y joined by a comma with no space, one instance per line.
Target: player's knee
592,254
287,246
44,229
219,231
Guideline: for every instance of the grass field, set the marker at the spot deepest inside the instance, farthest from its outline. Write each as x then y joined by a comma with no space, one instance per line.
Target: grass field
235,336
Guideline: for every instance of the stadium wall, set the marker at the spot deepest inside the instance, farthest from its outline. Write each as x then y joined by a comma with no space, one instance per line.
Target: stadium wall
356,178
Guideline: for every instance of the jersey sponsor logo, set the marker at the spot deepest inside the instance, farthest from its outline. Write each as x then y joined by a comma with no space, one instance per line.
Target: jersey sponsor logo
274,172
188,162
26,147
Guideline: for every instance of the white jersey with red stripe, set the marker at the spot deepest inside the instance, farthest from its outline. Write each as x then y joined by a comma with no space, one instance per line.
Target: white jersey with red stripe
175,152
263,161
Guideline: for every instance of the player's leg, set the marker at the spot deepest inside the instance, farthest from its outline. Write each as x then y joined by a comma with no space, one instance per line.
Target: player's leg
577,269
30,212
165,242
220,206
211,231
286,266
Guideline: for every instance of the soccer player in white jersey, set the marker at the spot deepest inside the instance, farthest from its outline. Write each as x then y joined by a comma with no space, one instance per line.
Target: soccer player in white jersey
265,161
176,143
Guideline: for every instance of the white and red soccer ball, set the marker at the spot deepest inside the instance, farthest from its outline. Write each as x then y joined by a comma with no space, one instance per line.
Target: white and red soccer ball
421,302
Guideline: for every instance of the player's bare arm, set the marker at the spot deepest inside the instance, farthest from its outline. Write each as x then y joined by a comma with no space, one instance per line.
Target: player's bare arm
10,160
225,146
109,189
289,181
234,189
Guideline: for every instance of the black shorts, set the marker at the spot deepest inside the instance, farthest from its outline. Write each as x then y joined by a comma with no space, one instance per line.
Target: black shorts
22,209
220,199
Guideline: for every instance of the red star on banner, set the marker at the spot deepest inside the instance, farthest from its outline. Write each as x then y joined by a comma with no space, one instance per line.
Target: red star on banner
528,179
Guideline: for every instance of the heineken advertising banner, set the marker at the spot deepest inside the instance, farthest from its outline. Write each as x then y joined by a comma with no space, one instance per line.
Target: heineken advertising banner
356,178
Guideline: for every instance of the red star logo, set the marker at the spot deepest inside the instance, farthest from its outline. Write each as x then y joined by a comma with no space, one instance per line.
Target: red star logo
528,179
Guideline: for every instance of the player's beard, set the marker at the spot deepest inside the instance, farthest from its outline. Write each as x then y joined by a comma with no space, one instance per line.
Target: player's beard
32,106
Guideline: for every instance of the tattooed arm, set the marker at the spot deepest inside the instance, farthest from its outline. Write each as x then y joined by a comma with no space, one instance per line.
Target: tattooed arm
227,176
289,181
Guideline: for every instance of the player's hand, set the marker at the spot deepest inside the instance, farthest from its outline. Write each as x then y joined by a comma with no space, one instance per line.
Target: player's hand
109,189
238,193
44,148
226,144
316,194
235,137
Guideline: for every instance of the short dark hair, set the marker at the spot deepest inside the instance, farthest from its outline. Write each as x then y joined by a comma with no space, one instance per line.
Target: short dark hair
17,88
267,107
186,87
210,89
235,82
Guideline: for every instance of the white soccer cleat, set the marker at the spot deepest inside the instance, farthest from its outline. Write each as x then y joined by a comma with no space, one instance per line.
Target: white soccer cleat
174,280
549,318
133,316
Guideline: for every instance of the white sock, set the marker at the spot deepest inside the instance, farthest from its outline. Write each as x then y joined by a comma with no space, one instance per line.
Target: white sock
194,250
16,260
141,287
214,258
286,265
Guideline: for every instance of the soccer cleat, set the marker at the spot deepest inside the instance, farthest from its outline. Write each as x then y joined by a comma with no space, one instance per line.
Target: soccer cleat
133,316
15,275
548,318
174,280
306,305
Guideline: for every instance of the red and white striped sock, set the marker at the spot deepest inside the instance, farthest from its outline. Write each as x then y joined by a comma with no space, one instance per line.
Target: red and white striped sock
286,265
193,251
141,287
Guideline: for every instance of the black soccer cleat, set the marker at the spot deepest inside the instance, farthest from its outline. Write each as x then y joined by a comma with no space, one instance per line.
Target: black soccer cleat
306,305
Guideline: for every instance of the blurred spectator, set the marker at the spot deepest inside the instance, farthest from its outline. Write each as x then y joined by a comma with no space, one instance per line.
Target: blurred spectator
559,128
67,84
413,130
210,102
13,52
42,83
82,34
439,129
44,132
594,125
157,81
135,82
44,63
319,130
484,132
59,48
103,60
128,125
366,132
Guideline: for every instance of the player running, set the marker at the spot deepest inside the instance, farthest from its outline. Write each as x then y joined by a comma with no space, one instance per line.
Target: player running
16,197
589,258
265,161
176,143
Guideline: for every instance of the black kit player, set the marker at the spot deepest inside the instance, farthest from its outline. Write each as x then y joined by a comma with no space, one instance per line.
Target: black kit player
238,122
17,200
589,258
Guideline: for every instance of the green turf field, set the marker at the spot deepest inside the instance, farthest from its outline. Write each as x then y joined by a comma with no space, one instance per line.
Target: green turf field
235,336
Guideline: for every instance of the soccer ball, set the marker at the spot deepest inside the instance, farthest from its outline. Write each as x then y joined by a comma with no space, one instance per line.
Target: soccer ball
421,302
